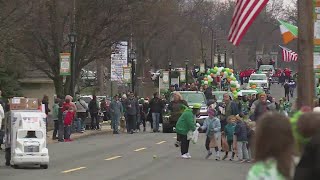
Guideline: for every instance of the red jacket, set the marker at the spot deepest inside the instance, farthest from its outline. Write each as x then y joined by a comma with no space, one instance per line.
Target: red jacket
68,118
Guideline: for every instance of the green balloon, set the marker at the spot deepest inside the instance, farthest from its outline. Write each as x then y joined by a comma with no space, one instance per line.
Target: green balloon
212,70
233,79
224,70
215,68
229,73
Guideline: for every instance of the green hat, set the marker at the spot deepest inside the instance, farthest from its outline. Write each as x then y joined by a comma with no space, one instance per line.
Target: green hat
196,106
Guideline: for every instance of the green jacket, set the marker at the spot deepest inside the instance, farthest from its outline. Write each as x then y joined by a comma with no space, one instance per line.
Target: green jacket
229,131
55,112
186,122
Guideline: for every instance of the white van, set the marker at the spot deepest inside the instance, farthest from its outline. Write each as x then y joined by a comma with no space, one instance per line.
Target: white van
261,80
25,138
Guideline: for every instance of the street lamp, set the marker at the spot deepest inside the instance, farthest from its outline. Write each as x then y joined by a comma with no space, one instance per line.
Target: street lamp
225,56
72,40
219,56
232,57
133,69
186,63
170,64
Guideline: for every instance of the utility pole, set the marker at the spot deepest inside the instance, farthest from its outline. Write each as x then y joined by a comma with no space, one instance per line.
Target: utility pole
305,52
211,49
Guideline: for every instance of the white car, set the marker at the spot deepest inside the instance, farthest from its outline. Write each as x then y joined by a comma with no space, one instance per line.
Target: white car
246,92
267,69
261,80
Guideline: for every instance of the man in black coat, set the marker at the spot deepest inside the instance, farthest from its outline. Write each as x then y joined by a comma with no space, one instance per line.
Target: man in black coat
156,106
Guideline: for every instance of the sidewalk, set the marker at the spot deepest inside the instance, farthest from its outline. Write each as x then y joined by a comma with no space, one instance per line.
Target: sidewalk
105,128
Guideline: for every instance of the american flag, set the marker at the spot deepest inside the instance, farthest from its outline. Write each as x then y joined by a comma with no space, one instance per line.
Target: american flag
244,14
288,55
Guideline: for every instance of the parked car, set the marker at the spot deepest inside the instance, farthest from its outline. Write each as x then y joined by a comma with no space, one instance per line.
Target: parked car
192,98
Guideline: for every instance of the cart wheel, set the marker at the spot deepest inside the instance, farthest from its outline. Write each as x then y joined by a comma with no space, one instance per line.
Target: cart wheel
44,166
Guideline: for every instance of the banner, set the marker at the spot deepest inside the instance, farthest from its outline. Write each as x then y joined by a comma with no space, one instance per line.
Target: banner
182,76
119,59
202,68
65,64
127,74
165,77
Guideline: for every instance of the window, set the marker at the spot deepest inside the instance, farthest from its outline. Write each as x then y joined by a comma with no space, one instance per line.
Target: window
194,98
30,134
258,77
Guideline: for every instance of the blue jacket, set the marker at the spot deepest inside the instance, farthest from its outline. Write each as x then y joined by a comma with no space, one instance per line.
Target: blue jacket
116,108
211,125
241,131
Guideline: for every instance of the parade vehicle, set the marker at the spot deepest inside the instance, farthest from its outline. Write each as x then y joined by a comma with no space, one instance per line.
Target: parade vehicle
259,81
192,98
25,134
246,92
267,69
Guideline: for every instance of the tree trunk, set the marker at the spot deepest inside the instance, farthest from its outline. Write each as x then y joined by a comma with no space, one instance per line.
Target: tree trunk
58,84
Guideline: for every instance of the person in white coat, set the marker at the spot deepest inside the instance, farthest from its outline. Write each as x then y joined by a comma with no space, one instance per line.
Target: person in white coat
1,130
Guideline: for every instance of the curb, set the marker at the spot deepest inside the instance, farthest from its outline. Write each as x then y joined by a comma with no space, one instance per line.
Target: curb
50,141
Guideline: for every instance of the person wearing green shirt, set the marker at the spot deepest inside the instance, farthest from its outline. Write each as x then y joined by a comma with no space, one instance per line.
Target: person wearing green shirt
55,115
186,123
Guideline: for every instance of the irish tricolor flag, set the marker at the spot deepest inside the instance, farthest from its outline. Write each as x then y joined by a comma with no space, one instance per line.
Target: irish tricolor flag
289,32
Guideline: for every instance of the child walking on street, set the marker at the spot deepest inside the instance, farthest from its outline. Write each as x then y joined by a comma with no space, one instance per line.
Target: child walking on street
229,132
241,133
212,127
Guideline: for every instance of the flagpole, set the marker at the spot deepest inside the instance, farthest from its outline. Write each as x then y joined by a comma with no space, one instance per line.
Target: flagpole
305,54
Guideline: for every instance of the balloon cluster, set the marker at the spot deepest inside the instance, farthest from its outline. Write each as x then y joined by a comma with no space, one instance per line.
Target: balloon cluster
223,73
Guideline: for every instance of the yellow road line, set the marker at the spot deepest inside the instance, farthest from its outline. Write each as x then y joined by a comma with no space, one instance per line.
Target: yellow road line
113,158
140,149
161,142
72,170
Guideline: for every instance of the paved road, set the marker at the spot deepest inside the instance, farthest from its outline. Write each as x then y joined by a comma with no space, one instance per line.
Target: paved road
277,91
122,157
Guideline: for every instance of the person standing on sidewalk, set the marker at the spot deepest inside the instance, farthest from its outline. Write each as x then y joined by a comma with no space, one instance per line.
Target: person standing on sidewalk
186,123
132,110
45,101
55,115
60,121
116,110
82,112
156,106
94,110
68,117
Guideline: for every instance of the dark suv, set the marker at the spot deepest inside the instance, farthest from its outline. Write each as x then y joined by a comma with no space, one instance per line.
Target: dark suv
192,97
